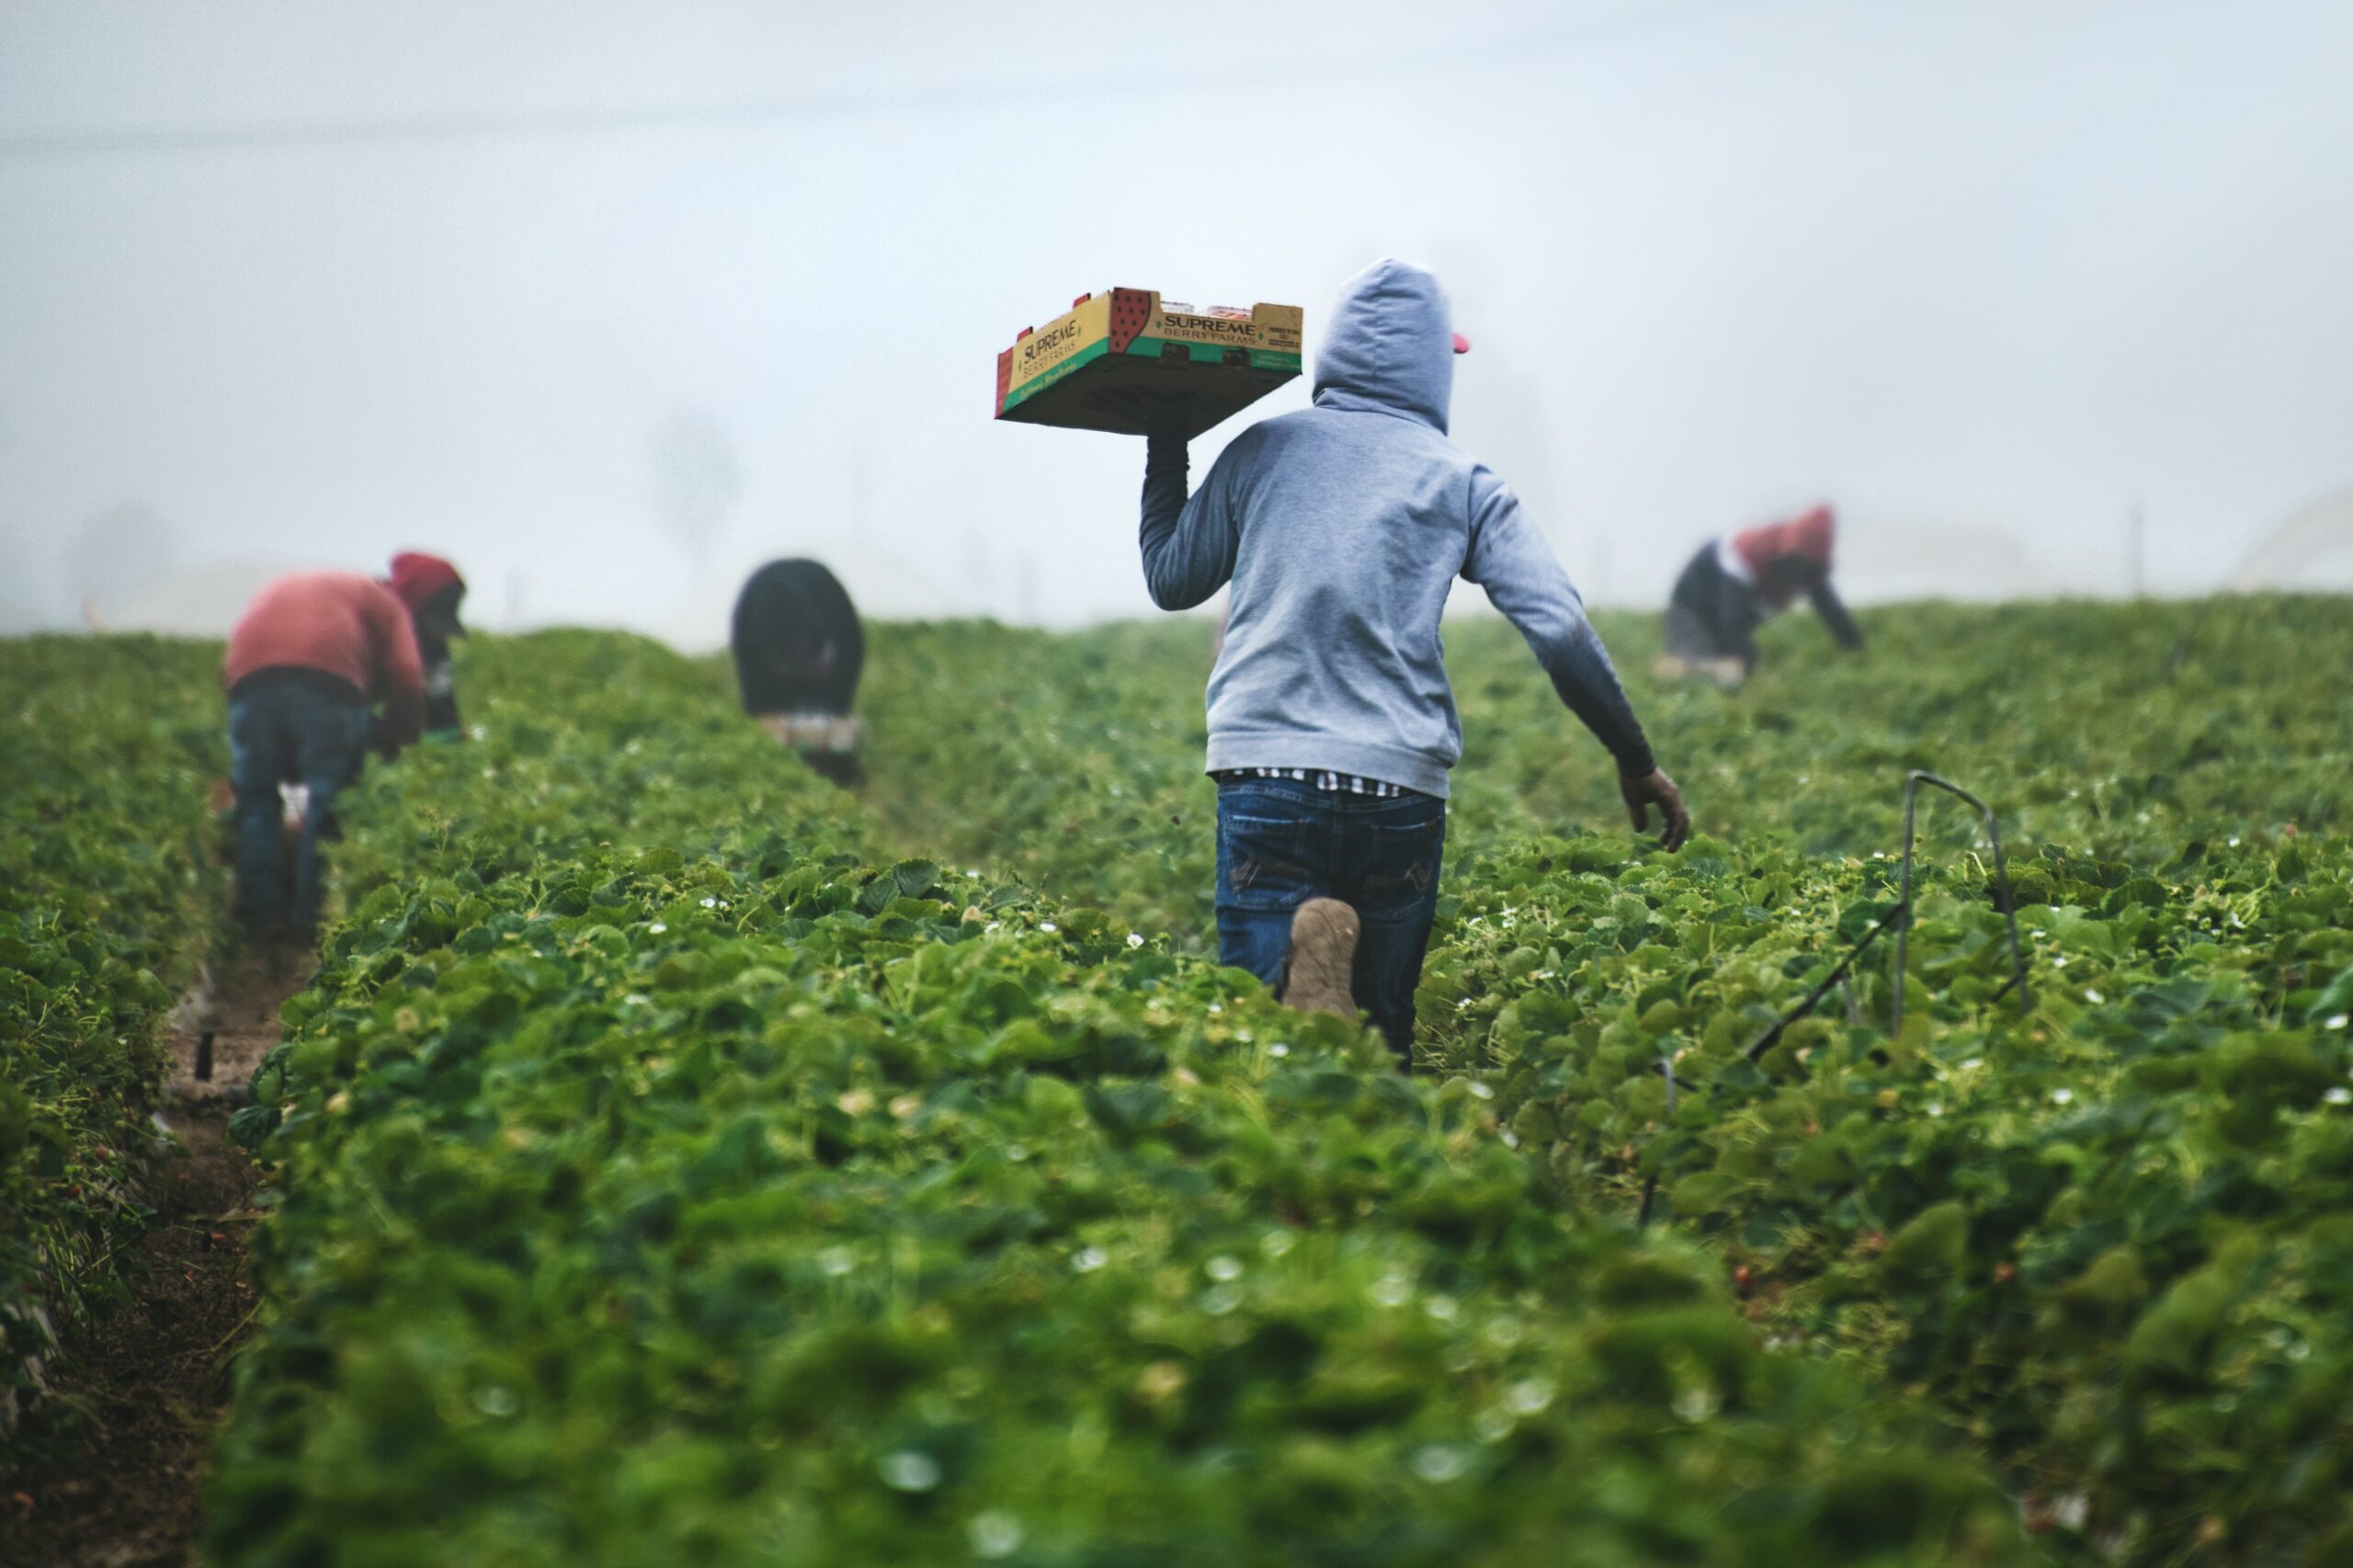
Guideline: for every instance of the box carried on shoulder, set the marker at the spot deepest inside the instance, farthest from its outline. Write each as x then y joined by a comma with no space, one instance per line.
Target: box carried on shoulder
1078,369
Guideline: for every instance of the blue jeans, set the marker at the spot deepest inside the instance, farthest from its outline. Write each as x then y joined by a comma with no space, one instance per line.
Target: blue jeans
1280,843
294,735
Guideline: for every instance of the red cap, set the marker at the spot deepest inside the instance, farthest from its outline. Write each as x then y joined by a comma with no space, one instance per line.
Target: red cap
1461,344
417,577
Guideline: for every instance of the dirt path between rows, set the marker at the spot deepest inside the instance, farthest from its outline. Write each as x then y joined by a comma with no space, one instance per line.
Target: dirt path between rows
150,1378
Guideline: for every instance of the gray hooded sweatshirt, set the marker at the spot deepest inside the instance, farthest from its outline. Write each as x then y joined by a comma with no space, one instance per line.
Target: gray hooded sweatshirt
1342,528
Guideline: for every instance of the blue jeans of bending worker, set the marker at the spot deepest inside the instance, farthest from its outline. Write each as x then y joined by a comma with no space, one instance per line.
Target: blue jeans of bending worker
294,734
1281,842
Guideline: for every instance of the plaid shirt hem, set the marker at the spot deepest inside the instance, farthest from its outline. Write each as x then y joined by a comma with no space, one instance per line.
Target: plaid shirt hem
1321,777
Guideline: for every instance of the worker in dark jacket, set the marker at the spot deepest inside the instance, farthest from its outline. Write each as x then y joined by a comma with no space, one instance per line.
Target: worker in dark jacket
1737,583
799,650
313,654
432,590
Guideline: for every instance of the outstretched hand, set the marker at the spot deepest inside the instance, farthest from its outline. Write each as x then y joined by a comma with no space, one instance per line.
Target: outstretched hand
1655,789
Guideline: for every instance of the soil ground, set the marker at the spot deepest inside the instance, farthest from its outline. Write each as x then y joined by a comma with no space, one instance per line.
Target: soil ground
148,1378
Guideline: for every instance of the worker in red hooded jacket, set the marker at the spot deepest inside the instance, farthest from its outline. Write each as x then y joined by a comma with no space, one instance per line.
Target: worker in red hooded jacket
1737,583
432,590
313,654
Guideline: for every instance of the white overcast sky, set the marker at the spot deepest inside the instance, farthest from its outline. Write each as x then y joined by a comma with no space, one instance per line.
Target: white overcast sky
311,282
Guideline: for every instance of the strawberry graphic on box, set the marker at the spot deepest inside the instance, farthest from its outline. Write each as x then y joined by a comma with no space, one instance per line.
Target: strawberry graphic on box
1132,311
1084,368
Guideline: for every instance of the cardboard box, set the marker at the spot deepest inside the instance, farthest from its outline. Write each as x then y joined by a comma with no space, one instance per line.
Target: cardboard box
1220,360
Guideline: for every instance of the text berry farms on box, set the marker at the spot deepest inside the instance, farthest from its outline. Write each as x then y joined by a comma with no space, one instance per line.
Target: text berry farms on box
1084,368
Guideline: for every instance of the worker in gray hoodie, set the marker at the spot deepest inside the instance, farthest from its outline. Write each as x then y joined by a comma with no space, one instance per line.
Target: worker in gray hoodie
1341,528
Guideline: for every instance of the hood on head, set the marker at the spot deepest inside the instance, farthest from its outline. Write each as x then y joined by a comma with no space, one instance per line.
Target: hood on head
1390,347
419,580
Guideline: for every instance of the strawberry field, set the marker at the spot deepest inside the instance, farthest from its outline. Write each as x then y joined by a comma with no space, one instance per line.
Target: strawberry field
676,1158
109,897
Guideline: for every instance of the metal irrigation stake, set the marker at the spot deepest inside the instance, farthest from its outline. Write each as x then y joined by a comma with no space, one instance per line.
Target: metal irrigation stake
1912,782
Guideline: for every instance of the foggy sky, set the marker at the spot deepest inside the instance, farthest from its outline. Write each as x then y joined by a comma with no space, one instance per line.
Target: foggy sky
306,284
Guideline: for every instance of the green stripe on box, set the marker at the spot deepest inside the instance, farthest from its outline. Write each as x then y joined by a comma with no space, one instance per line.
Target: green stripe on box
1016,396
1199,353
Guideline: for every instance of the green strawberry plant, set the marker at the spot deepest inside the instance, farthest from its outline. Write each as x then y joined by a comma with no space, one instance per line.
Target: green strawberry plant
680,1183
2104,1234
680,1157
2161,1134
109,894
1074,760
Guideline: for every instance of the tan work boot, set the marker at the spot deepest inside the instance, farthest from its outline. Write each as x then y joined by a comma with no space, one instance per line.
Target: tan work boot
1322,959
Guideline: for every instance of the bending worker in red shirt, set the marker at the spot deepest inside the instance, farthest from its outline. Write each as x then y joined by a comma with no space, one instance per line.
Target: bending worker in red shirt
1737,583
313,652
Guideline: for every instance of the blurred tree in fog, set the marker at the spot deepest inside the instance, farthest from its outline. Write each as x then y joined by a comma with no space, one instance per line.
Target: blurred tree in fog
122,548
696,479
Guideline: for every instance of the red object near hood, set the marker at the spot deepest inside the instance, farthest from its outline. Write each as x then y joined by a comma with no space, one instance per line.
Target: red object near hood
1806,538
417,577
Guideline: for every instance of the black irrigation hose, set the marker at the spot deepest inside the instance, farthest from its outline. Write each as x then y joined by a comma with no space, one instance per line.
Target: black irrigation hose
1771,1037
1838,976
